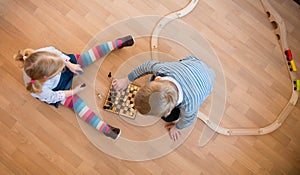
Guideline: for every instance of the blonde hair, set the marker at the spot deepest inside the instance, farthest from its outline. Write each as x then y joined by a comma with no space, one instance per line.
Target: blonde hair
156,98
39,66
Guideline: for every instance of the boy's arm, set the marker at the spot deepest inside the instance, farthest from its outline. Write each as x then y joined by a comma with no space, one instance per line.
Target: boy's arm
121,84
185,119
147,67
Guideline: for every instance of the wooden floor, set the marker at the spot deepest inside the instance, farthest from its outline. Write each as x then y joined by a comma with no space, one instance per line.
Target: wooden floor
36,138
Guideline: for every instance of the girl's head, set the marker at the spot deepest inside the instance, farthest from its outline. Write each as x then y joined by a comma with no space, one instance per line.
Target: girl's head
39,66
157,98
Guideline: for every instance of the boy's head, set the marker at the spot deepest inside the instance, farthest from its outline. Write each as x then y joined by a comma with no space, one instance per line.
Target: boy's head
156,98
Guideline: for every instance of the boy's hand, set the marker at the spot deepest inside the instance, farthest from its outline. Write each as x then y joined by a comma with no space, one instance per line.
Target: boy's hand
121,84
173,131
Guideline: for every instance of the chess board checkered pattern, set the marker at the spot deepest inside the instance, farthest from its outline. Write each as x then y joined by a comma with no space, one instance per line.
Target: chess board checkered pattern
121,102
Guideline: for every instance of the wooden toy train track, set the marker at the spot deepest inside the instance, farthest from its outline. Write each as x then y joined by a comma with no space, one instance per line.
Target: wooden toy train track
280,32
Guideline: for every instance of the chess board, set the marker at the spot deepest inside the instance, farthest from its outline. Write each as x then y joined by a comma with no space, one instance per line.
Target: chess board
121,102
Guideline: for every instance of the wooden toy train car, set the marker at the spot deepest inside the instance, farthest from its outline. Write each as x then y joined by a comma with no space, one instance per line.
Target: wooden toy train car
289,58
292,66
288,54
297,85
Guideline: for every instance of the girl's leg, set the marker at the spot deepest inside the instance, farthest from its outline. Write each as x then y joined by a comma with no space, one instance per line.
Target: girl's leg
86,114
101,50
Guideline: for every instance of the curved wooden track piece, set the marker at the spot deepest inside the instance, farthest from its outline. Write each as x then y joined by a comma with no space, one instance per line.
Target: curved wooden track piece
165,20
280,32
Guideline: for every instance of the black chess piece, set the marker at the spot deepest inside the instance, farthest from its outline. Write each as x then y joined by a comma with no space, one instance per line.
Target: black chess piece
82,85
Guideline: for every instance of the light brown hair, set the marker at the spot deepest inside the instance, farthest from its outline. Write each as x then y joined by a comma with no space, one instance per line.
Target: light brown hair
156,98
39,66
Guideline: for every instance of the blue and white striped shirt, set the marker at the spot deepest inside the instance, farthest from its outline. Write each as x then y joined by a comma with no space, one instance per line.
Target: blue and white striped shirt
194,77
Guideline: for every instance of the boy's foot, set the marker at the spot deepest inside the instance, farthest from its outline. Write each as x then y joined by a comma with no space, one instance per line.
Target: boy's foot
125,41
113,132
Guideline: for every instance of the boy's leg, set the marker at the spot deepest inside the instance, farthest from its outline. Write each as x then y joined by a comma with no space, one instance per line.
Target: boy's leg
101,50
86,114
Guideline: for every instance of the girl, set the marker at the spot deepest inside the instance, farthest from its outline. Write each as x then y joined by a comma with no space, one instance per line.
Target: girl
48,75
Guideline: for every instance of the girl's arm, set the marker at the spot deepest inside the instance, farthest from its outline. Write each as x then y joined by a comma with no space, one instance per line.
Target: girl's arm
77,89
50,96
75,68
52,49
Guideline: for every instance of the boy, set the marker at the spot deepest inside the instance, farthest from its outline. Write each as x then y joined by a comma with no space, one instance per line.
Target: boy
175,91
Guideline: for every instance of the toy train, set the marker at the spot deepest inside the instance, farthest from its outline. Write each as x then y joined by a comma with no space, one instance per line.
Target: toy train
291,62
297,85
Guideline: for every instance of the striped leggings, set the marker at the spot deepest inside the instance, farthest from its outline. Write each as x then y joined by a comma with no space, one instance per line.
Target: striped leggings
75,102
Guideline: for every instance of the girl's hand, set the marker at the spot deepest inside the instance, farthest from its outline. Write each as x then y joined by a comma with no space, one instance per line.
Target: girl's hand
75,68
121,84
79,88
74,91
